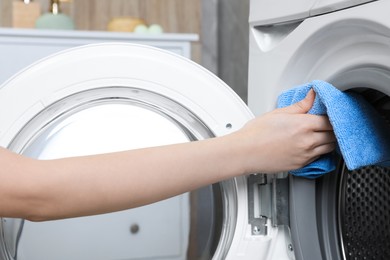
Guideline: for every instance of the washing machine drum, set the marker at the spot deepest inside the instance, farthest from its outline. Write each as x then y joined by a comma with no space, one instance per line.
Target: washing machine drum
364,202
344,215
110,97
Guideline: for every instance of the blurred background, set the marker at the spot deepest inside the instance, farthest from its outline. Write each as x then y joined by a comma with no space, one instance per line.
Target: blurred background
221,45
221,25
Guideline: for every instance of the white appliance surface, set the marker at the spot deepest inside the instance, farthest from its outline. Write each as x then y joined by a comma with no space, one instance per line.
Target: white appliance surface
271,12
294,42
349,47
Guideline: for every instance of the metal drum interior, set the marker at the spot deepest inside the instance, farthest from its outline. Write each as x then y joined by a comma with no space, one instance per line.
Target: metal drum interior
354,206
364,202
110,119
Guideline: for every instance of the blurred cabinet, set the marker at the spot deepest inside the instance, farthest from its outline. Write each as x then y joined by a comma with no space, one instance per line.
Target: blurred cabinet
21,47
175,16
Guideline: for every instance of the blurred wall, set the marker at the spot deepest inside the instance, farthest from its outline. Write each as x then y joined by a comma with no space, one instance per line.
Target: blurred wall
209,34
225,41
233,44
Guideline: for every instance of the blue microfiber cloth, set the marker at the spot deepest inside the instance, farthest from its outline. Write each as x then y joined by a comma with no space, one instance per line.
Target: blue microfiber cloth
363,136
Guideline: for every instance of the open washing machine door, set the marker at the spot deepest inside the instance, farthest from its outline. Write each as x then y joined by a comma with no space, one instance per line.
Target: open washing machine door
344,215
109,97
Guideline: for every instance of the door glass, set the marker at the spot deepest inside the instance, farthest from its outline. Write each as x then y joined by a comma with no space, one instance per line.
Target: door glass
110,119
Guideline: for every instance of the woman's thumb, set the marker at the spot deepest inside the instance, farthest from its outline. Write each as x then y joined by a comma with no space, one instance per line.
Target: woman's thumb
302,106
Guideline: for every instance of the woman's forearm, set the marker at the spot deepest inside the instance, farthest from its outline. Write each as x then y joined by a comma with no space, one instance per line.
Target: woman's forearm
282,140
103,183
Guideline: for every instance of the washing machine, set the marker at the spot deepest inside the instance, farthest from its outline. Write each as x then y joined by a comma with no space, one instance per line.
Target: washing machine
344,214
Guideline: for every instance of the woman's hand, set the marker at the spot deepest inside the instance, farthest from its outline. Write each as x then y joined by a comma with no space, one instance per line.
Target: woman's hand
286,138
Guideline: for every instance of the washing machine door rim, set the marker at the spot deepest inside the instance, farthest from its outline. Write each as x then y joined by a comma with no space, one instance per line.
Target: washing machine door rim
117,74
86,112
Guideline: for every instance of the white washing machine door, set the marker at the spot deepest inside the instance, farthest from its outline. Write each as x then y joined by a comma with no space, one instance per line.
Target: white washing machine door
109,97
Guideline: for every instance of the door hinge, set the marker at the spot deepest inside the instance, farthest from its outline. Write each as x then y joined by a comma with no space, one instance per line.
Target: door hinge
267,200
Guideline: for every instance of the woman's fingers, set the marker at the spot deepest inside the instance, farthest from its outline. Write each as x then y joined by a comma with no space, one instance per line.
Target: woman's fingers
323,149
321,123
322,138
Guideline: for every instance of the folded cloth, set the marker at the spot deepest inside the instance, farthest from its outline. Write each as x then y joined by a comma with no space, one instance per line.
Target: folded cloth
363,136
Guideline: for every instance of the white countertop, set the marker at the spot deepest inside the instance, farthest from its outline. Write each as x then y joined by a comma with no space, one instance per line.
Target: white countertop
96,35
